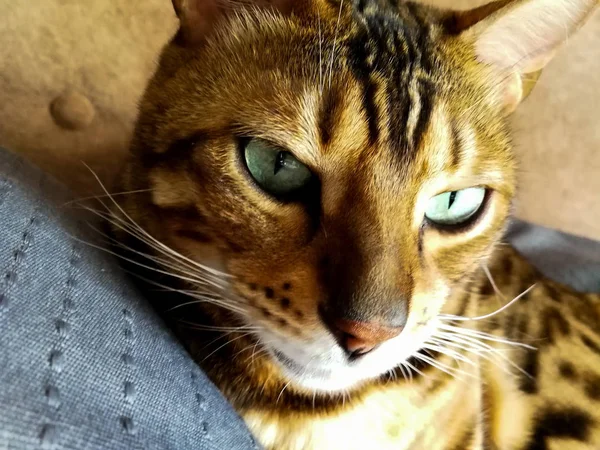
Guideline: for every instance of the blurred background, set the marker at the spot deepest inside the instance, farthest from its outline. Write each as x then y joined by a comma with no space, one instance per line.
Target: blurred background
73,71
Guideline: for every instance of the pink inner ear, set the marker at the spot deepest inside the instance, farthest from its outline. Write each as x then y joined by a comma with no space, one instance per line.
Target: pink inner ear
197,17
525,37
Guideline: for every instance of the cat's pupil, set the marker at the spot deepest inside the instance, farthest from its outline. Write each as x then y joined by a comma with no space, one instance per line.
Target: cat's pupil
451,199
279,162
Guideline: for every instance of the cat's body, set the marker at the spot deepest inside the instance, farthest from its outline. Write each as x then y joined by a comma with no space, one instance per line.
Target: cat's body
326,184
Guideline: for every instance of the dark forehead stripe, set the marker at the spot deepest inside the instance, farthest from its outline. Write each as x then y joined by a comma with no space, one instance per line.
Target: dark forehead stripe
392,43
329,114
361,66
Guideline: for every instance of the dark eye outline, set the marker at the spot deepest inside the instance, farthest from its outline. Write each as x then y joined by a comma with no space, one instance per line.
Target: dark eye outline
309,193
469,223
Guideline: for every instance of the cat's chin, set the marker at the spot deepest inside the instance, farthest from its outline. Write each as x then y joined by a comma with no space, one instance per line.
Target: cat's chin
322,366
319,378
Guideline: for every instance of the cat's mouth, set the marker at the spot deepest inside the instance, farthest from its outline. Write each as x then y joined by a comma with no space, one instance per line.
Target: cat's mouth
320,364
298,368
323,366
315,376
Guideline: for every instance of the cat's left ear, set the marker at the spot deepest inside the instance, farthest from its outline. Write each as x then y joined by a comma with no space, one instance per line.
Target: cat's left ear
519,37
198,18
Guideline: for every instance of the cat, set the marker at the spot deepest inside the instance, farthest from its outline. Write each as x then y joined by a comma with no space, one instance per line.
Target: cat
322,187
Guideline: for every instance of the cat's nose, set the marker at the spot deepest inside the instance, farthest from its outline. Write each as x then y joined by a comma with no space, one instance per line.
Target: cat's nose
359,338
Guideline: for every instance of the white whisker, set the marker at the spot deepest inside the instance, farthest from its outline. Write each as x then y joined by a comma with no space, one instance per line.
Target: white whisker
337,26
492,314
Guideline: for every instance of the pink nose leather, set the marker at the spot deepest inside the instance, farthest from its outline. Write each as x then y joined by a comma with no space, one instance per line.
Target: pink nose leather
359,338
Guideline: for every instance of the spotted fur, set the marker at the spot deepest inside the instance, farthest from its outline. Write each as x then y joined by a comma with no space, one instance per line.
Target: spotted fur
388,103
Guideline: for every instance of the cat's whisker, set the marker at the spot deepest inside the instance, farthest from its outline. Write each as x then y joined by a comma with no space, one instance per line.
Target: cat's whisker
201,327
481,336
158,244
100,196
263,349
192,281
438,346
228,304
443,367
258,341
229,341
200,279
485,353
492,314
488,274
133,230
401,367
457,336
200,300
410,366
282,390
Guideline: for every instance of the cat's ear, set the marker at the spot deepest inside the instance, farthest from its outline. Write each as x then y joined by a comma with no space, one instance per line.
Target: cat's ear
198,17
519,37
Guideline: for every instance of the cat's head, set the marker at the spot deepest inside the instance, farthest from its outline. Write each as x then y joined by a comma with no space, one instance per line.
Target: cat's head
346,164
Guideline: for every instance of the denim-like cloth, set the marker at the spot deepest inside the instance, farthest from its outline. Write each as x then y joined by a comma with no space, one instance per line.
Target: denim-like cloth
85,363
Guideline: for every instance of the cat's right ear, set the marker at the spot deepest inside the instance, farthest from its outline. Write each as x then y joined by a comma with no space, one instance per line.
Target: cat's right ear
519,37
197,18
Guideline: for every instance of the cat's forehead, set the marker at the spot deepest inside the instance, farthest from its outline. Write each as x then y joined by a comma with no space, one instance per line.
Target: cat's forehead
368,84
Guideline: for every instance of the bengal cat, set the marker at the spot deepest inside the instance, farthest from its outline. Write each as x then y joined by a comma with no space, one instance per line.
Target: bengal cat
320,190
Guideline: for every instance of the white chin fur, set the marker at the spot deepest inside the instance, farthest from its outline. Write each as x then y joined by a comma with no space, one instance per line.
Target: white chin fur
321,365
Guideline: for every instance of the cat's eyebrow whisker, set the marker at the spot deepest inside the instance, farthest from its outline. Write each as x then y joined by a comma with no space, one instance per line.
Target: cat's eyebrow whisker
492,314
320,55
337,30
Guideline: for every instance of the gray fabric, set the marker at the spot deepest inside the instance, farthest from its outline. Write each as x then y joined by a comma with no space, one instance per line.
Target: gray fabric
84,362
571,260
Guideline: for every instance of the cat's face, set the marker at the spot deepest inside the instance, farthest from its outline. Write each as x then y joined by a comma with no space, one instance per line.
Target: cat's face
347,171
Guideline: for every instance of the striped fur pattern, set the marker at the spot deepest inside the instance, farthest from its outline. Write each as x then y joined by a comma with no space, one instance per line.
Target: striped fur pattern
389,104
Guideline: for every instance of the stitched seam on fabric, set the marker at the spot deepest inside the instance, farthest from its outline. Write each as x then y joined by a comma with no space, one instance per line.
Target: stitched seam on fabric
9,278
49,433
201,406
127,420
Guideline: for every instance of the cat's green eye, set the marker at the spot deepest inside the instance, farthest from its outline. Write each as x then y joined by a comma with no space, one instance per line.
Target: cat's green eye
455,207
275,170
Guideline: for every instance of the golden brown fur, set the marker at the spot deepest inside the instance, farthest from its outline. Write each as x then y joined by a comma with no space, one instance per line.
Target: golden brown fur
358,245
